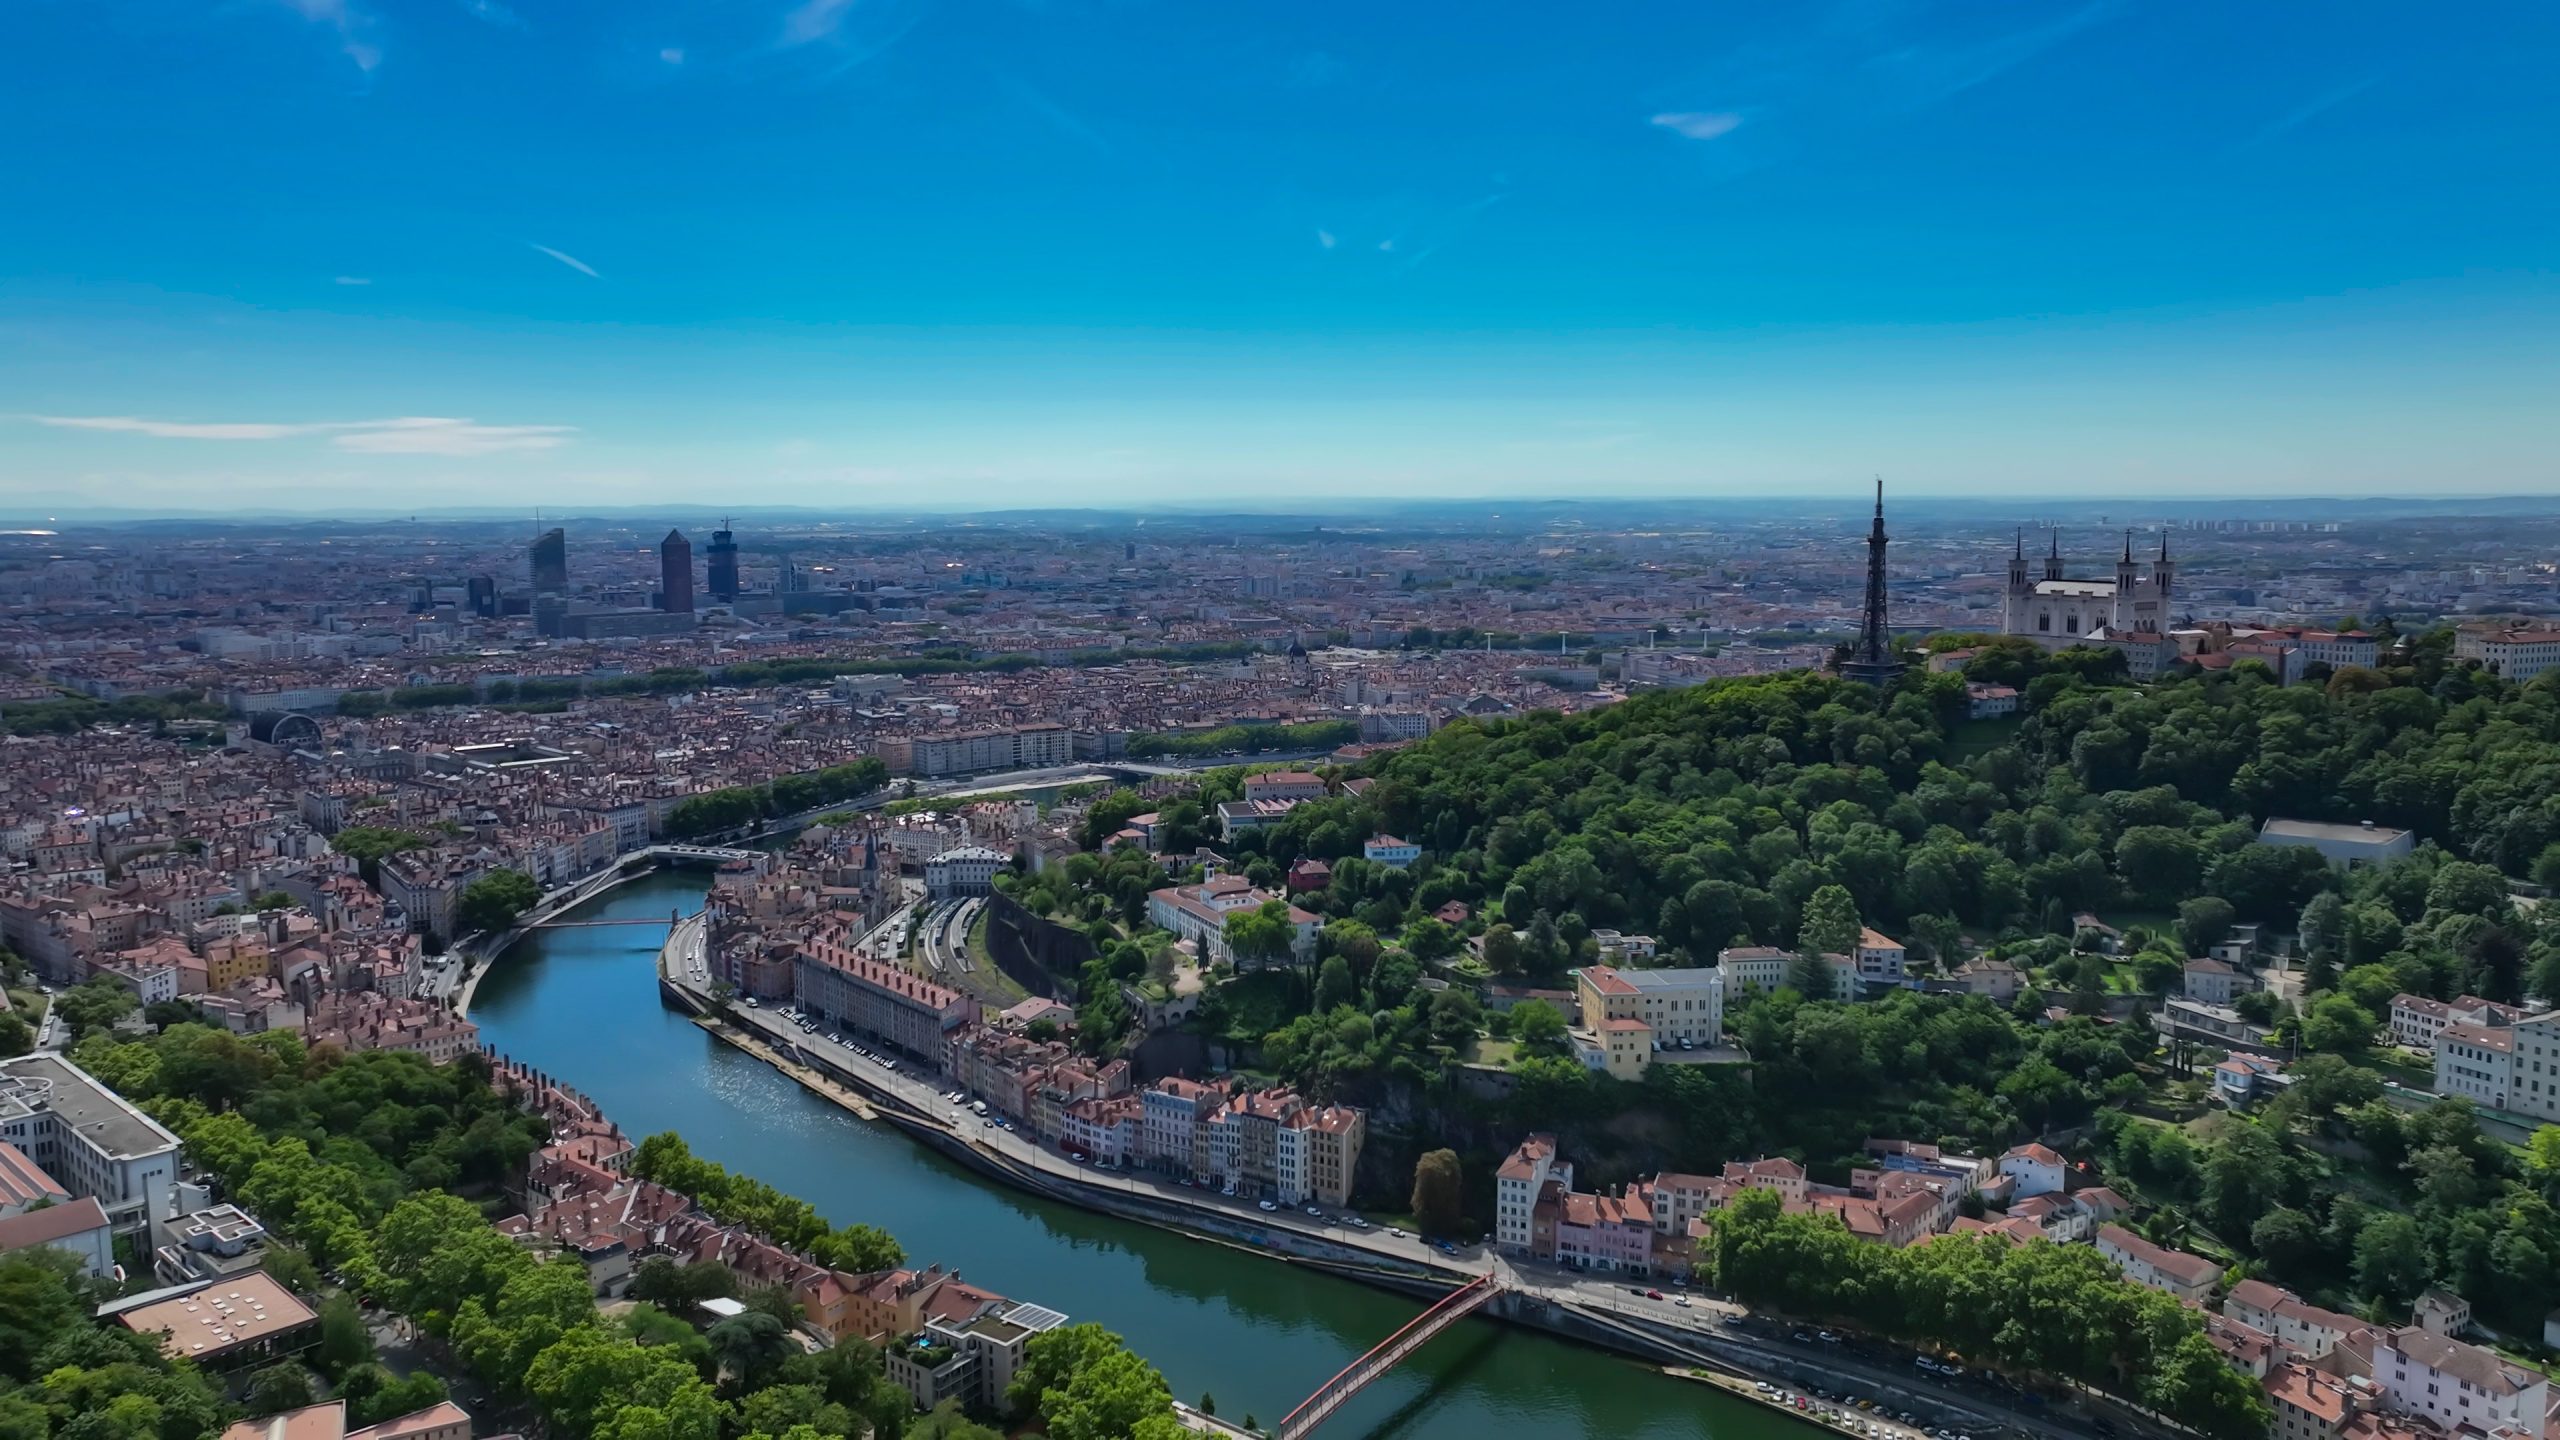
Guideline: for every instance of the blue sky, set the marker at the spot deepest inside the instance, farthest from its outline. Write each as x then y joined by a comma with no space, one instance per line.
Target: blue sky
368,254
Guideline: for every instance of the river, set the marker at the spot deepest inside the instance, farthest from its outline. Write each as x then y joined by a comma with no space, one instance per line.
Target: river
1257,1334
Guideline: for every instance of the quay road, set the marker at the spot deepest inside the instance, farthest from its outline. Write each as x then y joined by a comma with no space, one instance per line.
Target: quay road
1714,1331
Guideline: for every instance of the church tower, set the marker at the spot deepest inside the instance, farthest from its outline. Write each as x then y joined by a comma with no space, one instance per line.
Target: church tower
2127,574
2160,576
2053,557
2013,612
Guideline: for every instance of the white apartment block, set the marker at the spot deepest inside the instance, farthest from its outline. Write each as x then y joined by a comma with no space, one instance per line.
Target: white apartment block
88,1138
2534,1087
2458,1386
1754,967
967,870
2515,653
1517,1185
2477,1062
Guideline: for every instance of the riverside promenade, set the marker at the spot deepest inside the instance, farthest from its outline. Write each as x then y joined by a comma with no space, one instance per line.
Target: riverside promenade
1705,1335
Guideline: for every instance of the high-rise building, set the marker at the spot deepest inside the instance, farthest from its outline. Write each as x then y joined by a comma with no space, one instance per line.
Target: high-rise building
1873,661
483,590
550,556
675,573
720,565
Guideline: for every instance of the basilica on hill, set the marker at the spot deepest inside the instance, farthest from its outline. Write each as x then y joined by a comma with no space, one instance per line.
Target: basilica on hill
2057,612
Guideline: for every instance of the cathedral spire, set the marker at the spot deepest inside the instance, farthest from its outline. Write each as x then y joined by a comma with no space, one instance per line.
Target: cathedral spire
2128,545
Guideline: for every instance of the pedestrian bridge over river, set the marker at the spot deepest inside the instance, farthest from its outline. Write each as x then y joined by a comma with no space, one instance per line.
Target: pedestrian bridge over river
1448,1310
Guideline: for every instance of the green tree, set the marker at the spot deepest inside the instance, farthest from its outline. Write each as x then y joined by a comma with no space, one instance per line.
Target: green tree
1830,925
1262,935
2391,1258
493,901
1539,1028
750,1346
345,1342
2203,923
1436,1202
1334,985
277,1388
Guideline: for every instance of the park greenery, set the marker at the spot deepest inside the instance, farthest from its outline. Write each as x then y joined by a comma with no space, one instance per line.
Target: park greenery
373,1172
493,901
1243,740
2096,841
737,806
2035,1311
735,1199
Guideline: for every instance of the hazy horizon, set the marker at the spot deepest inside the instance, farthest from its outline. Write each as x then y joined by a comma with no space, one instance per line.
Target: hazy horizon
335,257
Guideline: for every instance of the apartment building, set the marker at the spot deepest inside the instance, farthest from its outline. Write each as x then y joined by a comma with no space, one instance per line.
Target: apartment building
877,999
1523,1181
2186,1277
2291,1321
2514,652
2457,1385
2416,1020
88,1139
2477,1062
1754,967
1314,1153
1631,1015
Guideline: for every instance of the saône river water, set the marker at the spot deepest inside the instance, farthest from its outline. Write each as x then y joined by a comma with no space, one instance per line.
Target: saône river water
1258,1334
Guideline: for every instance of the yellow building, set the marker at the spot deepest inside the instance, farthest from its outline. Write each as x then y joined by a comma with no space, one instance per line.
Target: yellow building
1629,1016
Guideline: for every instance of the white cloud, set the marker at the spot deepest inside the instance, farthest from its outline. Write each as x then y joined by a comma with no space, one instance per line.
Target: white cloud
672,55
1325,238
354,280
405,435
494,13
572,261
814,20
1387,246
1697,124
430,435
175,429
347,21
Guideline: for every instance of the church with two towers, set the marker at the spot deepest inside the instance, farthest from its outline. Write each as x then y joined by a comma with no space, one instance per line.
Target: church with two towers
2056,612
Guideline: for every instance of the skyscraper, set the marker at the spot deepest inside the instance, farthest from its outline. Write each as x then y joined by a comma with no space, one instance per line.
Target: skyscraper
483,590
720,566
1873,661
550,555
675,573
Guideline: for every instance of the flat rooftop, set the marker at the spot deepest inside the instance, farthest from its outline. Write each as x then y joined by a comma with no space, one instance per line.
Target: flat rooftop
48,1082
208,1321
2332,831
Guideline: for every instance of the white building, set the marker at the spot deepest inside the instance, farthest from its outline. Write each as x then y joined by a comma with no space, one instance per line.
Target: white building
2036,1169
967,870
88,1138
2535,1088
2513,652
1881,959
1517,1186
2346,846
1985,702
2339,649
2456,1385
2058,613
2477,1062
1391,852
1754,967
78,1227
2172,1272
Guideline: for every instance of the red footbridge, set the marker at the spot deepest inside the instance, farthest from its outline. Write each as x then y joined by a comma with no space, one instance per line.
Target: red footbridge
1448,1310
